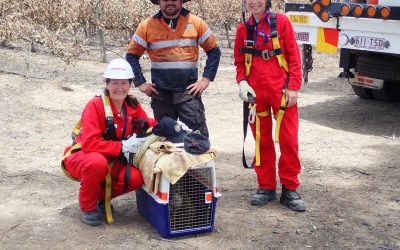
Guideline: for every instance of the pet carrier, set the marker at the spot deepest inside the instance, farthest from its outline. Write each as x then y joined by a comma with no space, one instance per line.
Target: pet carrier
187,207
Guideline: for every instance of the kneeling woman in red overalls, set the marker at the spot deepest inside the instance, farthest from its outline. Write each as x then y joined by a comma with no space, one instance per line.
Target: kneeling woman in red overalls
105,139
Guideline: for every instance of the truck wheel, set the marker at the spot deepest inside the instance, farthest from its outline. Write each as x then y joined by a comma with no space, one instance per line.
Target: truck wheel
362,92
388,93
379,66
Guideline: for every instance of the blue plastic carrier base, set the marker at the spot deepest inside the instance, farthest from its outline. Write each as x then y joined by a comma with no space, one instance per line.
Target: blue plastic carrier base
187,208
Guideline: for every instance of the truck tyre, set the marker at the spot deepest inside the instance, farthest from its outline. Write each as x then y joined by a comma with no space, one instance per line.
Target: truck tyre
388,93
379,66
362,92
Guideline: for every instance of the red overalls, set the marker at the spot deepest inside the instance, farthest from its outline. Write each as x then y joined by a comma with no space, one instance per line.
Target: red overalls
90,164
267,79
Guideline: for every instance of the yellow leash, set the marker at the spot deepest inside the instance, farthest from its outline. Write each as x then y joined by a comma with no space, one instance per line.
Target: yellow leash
283,63
279,115
107,198
258,136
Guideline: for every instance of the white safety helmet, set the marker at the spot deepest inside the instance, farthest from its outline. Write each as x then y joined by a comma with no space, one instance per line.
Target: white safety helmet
118,69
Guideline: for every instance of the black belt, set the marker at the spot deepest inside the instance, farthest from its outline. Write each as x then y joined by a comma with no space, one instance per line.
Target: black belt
265,54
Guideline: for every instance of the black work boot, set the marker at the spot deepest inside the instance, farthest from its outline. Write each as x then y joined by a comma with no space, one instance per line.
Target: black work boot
101,207
91,218
263,196
292,200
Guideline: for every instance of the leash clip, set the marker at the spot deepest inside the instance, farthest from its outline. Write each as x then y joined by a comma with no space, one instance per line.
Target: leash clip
252,108
252,113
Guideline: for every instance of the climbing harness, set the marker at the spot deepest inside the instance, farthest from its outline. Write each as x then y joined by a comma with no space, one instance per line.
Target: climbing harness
249,109
109,135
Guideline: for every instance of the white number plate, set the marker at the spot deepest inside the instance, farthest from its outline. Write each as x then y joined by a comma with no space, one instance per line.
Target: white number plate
369,42
365,81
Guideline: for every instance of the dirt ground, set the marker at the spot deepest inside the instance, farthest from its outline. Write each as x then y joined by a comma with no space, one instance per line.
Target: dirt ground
349,149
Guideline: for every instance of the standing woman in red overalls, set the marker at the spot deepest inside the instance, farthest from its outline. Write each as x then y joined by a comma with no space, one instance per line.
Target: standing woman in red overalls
268,67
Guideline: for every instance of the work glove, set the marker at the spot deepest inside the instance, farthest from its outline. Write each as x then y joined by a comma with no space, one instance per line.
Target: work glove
184,127
132,145
244,90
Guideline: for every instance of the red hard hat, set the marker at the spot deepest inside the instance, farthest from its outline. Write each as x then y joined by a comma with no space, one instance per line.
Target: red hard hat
157,1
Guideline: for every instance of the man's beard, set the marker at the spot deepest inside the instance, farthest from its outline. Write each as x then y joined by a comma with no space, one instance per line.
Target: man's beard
172,13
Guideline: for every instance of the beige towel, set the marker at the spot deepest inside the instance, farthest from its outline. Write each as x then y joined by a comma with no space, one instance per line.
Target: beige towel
174,165
163,157
142,150
163,147
148,158
146,167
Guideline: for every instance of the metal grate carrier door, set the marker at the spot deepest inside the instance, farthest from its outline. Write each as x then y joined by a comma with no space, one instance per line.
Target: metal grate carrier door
190,200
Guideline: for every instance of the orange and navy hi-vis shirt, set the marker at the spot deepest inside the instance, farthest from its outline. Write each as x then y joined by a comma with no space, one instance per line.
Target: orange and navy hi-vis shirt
173,53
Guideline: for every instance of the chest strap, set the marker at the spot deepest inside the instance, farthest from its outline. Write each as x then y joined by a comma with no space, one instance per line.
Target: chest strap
265,54
249,49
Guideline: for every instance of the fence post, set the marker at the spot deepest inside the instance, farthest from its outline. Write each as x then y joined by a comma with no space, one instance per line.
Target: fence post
100,34
227,28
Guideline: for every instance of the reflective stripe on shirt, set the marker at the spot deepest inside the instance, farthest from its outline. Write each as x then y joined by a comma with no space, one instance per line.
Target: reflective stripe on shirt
205,36
173,65
172,43
139,40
